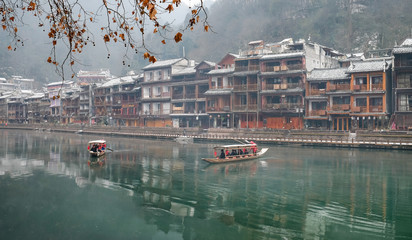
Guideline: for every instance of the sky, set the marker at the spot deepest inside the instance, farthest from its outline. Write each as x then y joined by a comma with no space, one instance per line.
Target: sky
194,2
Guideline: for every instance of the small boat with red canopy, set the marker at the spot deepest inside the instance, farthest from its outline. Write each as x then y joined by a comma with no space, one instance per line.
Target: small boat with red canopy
96,148
235,152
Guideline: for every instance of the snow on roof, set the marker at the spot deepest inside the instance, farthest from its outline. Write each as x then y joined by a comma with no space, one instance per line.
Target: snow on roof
118,81
221,71
328,74
369,66
59,83
164,63
407,42
184,71
282,55
37,96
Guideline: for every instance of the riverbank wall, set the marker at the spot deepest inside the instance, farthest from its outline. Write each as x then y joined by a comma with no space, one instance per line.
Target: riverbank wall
361,139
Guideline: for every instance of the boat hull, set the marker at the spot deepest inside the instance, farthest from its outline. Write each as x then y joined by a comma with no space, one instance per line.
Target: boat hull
96,154
236,158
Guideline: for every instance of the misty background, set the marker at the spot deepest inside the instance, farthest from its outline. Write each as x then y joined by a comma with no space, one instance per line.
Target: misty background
349,26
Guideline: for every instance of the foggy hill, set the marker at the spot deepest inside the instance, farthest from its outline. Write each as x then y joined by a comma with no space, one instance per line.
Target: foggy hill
346,25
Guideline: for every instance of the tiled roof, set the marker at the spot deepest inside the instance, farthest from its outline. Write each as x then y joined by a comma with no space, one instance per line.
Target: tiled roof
369,66
164,63
328,74
401,50
221,71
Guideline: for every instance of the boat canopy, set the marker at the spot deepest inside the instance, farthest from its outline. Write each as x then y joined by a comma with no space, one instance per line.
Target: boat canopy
96,142
235,146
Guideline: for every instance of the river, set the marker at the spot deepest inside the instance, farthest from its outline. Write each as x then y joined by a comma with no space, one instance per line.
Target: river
163,190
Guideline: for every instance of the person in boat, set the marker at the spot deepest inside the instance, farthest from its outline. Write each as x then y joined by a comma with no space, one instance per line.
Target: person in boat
222,154
245,151
94,148
233,152
254,147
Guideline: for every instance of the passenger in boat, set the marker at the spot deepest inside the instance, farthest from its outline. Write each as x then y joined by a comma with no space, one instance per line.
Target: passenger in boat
254,147
245,151
240,152
227,152
233,152
94,148
222,154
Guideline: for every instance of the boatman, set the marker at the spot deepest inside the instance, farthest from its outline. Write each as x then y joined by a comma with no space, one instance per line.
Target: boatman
222,154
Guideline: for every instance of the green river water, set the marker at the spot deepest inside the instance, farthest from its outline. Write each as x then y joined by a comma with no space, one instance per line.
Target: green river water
161,189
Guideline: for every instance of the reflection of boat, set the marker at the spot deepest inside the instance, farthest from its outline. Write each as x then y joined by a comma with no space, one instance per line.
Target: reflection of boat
235,153
184,140
96,161
96,148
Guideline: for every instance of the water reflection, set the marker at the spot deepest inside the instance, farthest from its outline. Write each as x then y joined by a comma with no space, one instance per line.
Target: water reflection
292,193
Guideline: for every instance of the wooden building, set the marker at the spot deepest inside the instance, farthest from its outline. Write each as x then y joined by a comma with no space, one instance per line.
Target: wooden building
402,86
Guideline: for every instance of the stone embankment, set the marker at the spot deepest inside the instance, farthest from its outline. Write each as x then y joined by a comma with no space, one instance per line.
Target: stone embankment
359,139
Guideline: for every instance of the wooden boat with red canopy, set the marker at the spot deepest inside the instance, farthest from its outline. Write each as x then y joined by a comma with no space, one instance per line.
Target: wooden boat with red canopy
96,148
235,152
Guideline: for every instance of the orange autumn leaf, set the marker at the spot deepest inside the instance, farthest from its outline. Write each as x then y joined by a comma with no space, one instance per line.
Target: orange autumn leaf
49,60
106,38
178,37
4,27
9,48
206,28
163,41
146,55
152,59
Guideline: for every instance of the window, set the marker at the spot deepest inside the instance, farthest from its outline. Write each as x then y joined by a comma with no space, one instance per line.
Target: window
243,100
375,101
219,82
404,80
360,80
361,102
341,100
376,79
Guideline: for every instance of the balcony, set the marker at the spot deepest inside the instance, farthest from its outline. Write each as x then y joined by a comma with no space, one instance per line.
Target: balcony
251,107
177,95
339,107
377,87
177,110
362,87
295,67
244,87
339,87
162,95
375,108
190,95
320,112
287,106
317,92
360,109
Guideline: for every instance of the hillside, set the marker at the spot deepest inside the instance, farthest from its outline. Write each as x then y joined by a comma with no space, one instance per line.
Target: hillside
346,25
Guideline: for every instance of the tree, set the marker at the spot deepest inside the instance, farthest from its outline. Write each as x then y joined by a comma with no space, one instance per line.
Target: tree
68,23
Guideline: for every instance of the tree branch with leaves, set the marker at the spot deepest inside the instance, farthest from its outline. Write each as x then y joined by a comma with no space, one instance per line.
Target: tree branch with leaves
69,23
